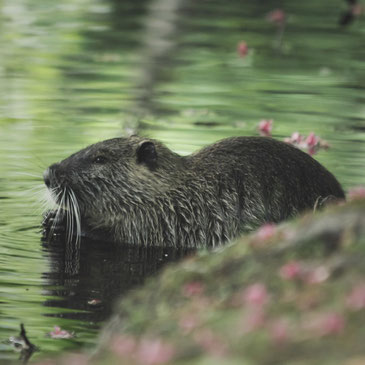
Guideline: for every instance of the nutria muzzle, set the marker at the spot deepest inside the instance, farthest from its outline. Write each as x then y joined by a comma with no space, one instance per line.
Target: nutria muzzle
47,177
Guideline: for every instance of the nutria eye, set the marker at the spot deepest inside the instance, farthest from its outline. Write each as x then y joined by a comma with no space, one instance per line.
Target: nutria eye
100,159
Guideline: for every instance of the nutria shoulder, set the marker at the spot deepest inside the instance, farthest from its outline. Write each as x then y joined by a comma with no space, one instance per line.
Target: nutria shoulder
137,191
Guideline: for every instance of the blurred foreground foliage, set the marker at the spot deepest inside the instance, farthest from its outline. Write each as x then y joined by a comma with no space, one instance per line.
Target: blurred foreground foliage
287,294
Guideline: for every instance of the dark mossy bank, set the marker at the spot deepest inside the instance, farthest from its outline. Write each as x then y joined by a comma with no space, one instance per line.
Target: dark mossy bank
288,294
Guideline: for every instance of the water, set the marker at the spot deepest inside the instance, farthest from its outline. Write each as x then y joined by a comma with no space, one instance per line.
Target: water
75,72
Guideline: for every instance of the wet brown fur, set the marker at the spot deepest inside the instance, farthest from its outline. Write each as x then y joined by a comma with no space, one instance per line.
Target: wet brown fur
137,191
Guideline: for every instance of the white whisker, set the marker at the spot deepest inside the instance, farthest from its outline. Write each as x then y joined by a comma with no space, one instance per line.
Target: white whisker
70,206
59,212
68,219
22,173
76,215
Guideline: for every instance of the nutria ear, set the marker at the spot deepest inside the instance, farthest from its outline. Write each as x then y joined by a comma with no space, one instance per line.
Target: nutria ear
146,153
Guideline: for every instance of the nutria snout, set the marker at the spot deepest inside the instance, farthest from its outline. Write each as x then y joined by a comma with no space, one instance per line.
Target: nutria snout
137,191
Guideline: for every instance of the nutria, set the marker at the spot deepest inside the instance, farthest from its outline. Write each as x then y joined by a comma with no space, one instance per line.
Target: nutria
137,191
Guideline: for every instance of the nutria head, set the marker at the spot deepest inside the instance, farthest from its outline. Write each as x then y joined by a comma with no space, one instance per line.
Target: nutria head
107,178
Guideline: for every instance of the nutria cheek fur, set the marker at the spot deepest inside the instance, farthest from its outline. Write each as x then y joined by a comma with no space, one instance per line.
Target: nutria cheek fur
137,191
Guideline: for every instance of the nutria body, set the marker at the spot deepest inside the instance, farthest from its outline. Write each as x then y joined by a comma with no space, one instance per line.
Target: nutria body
137,191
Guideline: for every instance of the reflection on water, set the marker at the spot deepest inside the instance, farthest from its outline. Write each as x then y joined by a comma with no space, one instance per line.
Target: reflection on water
73,72
90,277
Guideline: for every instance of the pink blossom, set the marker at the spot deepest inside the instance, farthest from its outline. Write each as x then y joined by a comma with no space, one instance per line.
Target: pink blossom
276,16
59,333
279,331
265,127
256,295
295,138
332,324
325,324
154,351
291,270
317,275
312,140
242,49
211,343
356,299
294,270
266,231
123,345
311,143
192,289
357,192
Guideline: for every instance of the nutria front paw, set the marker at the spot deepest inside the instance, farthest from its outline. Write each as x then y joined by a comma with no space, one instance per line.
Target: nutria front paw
53,224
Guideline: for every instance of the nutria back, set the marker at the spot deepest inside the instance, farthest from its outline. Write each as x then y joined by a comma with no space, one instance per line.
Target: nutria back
135,190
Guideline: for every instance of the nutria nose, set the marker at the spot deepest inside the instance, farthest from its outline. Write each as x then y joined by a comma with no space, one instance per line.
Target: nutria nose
46,177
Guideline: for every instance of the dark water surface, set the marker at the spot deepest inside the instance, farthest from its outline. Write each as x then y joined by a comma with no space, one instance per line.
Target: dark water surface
73,72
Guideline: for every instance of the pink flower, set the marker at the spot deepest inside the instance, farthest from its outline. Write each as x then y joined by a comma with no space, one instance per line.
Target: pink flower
312,140
356,299
317,275
312,143
295,138
266,231
294,270
192,289
154,351
59,333
331,324
242,49
357,192
210,343
279,331
256,295
325,324
291,270
276,16
123,345
265,127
